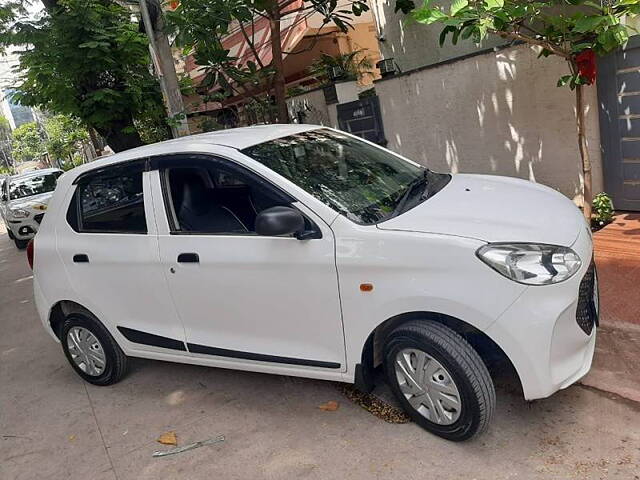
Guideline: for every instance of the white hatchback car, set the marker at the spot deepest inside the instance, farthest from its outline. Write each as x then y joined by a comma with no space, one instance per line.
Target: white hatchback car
23,202
301,250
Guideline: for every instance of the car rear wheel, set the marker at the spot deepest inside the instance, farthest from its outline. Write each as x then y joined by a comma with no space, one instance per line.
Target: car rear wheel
92,351
20,244
439,379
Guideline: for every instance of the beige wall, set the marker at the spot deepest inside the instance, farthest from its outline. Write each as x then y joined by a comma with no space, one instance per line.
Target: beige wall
314,107
363,37
413,44
316,111
498,113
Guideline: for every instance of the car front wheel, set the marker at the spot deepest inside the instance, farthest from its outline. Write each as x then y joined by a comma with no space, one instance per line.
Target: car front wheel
92,351
439,379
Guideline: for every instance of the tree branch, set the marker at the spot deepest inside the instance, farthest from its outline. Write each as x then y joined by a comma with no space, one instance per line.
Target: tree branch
533,41
251,44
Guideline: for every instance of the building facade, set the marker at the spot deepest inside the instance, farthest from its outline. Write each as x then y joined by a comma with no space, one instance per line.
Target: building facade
305,38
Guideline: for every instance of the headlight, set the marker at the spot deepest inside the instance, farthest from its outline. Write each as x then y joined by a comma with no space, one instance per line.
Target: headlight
531,263
19,213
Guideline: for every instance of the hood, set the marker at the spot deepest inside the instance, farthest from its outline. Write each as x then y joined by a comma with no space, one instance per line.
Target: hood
495,209
41,199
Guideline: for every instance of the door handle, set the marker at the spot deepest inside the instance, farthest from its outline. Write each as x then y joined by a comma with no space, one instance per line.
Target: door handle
80,258
188,258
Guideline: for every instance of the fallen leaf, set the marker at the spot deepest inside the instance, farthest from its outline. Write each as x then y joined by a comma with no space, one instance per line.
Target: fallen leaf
330,406
72,438
168,438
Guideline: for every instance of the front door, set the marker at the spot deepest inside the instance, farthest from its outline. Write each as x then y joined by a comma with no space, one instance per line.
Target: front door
241,295
619,95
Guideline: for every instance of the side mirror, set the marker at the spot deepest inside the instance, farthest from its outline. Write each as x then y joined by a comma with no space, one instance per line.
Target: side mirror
276,221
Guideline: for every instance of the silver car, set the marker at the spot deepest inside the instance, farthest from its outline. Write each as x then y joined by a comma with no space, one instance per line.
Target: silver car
23,202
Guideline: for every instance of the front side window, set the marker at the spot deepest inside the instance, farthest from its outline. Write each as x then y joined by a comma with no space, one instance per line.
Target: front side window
365,183
111,203
205,198
33,185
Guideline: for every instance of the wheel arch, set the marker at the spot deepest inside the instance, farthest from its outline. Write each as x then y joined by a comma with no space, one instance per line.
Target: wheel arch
373,350
61,310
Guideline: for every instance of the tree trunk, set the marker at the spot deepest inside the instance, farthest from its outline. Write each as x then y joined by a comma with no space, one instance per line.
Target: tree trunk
279,85
122,135
153,19
96,146
584,153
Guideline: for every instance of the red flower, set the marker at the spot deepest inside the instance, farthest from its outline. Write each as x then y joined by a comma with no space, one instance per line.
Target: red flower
587,67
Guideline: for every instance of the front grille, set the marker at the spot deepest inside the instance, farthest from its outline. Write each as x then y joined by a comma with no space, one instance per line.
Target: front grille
38,218
586,313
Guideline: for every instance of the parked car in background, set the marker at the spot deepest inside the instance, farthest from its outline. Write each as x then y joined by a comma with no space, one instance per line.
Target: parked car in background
301,250
23,202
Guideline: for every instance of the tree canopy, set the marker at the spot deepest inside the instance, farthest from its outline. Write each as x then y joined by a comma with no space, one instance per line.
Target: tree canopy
567,28
89,60
28,143
202,25
65,136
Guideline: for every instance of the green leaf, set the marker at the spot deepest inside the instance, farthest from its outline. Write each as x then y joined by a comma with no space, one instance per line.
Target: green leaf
578,47
589,3
564,80
494,4
458,5
445,32
456,35
544,53
588,24
621,35
429,16
467,31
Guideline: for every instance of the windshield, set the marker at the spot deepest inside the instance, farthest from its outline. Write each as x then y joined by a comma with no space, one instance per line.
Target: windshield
363,182
32,185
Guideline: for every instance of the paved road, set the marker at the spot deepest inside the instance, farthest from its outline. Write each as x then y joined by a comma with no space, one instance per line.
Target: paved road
54,426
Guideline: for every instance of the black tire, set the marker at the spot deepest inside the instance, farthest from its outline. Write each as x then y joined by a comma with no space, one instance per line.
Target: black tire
461,361
116,360
10,233
21,244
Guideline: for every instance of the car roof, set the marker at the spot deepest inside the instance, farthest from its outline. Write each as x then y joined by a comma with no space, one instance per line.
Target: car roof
245,137
238,138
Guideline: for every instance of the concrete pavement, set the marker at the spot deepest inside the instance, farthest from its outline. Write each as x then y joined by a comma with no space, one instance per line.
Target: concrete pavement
54,426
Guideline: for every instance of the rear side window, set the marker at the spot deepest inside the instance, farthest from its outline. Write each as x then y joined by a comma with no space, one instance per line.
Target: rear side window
109,202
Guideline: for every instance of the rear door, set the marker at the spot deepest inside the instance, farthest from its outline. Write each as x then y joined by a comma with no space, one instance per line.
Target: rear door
109,248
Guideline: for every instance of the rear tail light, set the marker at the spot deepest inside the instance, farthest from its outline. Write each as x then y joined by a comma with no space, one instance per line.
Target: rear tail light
30,253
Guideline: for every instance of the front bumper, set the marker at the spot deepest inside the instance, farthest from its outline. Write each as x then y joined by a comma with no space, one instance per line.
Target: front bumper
541,336
25,228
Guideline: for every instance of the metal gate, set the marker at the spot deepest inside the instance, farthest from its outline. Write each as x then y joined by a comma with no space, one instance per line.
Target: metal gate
619,95
362,118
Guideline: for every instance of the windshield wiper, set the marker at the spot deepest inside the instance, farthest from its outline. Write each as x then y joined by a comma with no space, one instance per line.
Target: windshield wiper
422,180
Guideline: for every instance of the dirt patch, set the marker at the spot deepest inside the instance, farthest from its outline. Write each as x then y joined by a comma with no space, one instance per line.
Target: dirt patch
374,405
